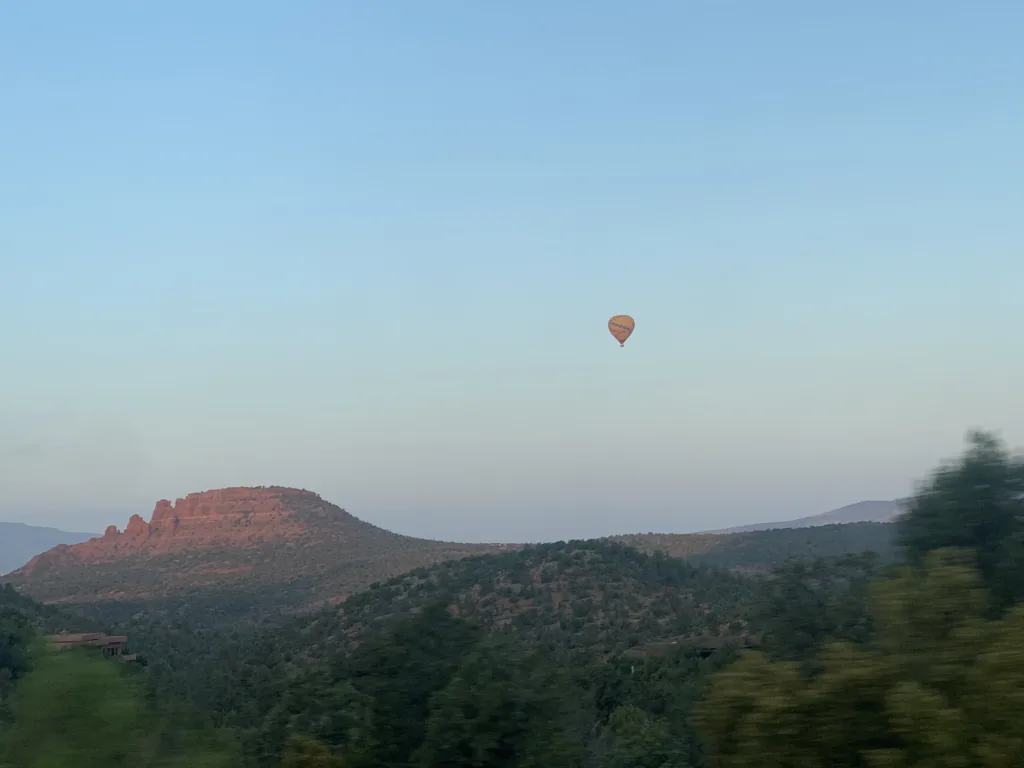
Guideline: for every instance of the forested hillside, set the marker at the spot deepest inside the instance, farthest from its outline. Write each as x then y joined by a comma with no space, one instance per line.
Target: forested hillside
555,612
230,608
760,551
933,675
596,589
589,655
607,643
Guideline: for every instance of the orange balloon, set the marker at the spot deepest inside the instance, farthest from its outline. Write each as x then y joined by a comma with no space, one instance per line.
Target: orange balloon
621,326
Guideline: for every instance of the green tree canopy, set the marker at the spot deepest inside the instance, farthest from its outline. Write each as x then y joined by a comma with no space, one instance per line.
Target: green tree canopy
976,503
635,739
940,685
806,603
504,708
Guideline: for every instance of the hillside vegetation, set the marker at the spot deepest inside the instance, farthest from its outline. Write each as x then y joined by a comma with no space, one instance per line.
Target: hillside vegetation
593,610
597,655
573,654
578,592
310,553
760,551
564,610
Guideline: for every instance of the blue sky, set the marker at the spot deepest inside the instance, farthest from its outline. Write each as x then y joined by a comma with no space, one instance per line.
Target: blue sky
370,249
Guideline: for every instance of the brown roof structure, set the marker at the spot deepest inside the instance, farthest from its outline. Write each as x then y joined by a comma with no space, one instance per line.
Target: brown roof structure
111,645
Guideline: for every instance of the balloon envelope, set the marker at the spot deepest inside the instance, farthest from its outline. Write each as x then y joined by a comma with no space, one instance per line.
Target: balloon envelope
621,326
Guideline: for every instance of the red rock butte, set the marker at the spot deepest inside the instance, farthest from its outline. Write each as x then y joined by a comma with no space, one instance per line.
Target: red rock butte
238,518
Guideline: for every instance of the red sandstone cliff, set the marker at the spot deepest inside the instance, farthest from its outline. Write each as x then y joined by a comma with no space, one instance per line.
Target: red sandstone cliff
288,548
236,518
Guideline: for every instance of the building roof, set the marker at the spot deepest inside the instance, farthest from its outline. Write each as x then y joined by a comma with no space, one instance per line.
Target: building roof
95,639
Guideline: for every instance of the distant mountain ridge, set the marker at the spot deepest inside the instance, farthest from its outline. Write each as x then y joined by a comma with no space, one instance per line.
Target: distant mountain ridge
859,512
20,542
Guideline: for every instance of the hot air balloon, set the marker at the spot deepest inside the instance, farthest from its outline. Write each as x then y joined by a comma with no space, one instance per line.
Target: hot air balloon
621,326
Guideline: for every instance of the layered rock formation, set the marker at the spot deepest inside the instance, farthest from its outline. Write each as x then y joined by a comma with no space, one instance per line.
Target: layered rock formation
245,538
232,517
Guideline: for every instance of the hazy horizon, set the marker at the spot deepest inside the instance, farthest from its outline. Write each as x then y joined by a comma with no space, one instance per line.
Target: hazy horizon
371,251
425,530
